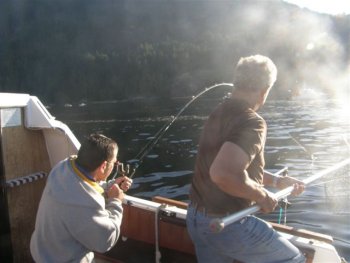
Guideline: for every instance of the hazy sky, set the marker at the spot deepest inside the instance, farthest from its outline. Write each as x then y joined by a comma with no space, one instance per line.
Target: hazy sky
333,7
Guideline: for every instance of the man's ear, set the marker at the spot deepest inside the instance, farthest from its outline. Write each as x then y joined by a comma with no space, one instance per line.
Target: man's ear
96,174
103,166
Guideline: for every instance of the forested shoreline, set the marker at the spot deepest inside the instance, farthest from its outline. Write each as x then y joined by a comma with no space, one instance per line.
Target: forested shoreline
72,51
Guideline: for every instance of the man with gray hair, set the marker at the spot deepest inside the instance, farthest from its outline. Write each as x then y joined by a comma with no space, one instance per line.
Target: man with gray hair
229,175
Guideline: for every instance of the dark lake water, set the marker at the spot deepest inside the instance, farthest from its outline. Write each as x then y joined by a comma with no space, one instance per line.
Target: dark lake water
305,135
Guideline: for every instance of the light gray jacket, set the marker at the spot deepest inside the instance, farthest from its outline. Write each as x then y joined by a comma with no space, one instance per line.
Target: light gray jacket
73,218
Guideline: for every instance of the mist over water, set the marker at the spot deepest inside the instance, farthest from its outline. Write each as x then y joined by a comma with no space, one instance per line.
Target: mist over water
306,135
77,51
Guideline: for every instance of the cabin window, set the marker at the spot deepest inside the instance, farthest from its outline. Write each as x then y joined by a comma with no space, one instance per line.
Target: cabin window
11,117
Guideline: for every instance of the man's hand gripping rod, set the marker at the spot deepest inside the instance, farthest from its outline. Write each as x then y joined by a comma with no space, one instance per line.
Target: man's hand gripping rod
218,224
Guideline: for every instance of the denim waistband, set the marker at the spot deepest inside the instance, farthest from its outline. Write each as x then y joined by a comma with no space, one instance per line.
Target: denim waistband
208,212
202,210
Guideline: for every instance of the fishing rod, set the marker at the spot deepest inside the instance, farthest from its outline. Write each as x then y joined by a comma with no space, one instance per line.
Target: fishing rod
218,224
130,171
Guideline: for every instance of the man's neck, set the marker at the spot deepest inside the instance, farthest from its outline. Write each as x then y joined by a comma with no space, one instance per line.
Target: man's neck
87,174
252,98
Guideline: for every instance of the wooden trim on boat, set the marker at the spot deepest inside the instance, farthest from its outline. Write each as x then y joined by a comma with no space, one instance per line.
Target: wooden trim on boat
302,233
164,200
282,228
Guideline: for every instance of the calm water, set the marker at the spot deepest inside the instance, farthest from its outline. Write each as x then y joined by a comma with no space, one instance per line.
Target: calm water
306,136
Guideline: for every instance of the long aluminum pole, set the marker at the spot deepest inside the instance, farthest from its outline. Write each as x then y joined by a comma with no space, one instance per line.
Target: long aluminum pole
219,224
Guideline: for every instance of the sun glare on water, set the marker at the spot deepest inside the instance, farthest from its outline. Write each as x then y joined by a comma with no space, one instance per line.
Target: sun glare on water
342,95
345,109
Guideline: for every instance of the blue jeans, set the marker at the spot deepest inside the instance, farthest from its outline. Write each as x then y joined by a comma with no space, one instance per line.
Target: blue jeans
248,240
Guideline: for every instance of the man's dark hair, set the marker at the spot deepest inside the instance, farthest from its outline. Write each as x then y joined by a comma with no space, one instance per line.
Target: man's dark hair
94,150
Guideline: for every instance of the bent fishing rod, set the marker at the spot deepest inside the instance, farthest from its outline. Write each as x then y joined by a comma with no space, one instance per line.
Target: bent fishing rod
218,224
149,146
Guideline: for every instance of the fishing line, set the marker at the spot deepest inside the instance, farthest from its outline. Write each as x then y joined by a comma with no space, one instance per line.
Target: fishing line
149,146
218,224
336,190
312,157
329,181
346,141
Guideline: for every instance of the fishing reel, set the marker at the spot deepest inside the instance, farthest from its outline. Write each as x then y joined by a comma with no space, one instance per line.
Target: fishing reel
123,170
120,169
284,203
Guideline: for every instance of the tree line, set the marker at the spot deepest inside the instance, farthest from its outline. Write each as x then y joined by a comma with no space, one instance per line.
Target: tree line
70,51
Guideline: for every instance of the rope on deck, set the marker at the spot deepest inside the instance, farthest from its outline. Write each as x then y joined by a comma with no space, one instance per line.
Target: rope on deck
25,179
